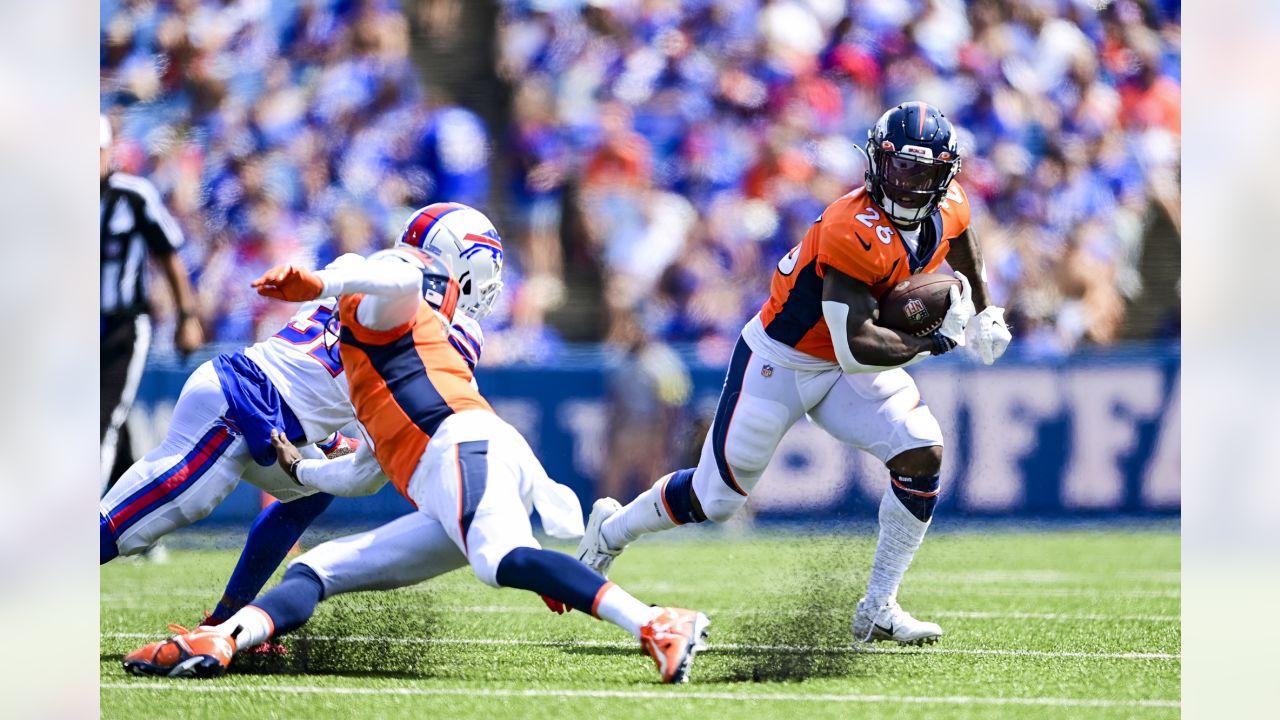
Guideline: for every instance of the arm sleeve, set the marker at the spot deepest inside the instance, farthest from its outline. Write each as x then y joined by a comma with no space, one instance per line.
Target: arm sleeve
836,315
350,475
392,290
158,227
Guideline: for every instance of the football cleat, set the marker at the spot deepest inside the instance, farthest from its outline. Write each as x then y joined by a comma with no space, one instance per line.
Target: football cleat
671,638
890,622
199,653
593,551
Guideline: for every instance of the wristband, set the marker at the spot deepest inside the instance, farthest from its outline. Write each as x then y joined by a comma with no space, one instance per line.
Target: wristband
293,471
941,343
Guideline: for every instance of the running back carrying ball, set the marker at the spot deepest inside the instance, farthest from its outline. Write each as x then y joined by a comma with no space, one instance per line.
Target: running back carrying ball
918,304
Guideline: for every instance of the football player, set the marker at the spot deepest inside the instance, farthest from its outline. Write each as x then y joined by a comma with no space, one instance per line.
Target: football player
294,380
471,476
814,349
470,245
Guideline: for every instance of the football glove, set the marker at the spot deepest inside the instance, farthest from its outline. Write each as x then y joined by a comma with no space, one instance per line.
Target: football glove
289,282
989,334
953,326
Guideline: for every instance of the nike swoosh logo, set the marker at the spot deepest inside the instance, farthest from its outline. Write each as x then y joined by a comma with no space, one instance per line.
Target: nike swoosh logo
865,245
885,630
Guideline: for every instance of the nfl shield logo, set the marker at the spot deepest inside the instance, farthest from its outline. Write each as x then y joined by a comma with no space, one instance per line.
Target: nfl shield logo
767,371
916,310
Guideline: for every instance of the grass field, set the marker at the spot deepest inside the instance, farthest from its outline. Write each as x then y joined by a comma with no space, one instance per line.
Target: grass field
1061,624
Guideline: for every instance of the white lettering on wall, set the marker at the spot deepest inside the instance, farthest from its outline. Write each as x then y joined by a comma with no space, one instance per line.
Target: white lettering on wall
1162,485
1106,406
1005,409
586,422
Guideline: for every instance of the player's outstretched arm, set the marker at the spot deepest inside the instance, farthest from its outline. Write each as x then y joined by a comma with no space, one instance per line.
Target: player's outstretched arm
347,476
860,345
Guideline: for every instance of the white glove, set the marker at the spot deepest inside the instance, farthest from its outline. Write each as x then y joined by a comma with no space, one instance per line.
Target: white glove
958,315
989,334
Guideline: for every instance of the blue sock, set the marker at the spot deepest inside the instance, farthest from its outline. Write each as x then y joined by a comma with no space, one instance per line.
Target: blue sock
107,550
291,603
917,494
274,532
555,575
678,495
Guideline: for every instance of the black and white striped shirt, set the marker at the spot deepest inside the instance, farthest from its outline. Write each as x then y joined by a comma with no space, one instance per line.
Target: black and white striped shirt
134,223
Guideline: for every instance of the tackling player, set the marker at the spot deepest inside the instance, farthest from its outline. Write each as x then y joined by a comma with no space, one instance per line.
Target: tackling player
470,245
814,349
470,475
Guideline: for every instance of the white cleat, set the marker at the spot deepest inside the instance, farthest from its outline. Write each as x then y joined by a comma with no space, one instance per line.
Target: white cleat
890,622
593,551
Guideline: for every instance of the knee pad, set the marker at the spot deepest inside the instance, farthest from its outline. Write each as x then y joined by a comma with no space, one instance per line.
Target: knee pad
753,433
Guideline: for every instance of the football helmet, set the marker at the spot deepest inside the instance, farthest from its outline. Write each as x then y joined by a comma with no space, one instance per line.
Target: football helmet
468,243
912,158
439,288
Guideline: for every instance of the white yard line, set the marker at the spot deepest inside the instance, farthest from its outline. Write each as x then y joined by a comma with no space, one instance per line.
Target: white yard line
646,695
505,642
127,601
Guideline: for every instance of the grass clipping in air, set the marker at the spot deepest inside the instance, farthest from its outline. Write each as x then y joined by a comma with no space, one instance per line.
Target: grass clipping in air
336,641
804,631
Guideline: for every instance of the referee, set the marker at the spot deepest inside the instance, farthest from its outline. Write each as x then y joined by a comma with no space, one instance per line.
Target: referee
135,224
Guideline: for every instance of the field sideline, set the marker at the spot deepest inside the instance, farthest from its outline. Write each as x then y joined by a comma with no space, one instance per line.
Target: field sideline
1058,624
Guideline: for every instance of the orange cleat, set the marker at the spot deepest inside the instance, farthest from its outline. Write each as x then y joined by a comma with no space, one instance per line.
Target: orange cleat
201,653
671,639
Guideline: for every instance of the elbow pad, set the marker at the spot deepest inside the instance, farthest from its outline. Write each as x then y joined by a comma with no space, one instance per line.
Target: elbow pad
836,315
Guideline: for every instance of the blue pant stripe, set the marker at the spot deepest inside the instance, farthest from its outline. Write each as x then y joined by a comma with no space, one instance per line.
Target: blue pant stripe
473,472
724,412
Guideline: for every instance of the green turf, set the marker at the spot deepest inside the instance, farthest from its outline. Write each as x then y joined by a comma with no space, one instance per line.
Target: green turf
1069,624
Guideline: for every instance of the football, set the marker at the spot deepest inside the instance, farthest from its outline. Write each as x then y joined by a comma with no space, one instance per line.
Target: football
918,304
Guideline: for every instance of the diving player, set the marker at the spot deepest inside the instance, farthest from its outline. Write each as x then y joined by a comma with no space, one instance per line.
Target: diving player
469,244
430,433
814,349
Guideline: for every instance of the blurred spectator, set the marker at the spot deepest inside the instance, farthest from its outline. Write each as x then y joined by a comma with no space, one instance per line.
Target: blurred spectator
647,389
697,140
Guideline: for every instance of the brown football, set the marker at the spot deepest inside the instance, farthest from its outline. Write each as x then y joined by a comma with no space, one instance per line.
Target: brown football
918,304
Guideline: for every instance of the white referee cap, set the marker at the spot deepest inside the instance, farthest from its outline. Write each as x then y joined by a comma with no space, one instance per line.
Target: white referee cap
104,132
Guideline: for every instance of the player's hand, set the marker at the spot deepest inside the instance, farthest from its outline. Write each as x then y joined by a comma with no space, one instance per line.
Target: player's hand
289,282
189,335
989,334
286,454
952,330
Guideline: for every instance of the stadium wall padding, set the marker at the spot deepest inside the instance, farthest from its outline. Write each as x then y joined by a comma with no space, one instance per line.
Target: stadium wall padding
1094,435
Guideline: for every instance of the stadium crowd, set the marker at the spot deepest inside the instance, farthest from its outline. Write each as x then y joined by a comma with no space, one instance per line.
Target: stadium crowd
693,140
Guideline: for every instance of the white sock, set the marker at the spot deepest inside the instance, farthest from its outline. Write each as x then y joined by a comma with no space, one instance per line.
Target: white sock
646,514
254,624
620,608
900,536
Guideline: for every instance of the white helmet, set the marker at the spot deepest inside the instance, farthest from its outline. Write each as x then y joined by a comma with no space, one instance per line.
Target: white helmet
469,245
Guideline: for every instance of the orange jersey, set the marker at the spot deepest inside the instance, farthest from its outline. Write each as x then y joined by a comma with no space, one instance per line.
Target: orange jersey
854,236
404,382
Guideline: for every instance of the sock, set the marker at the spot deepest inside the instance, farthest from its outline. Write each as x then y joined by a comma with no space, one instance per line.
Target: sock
555,575
901,533
665,505
620,608
274,533
250,626
107,550
284,608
